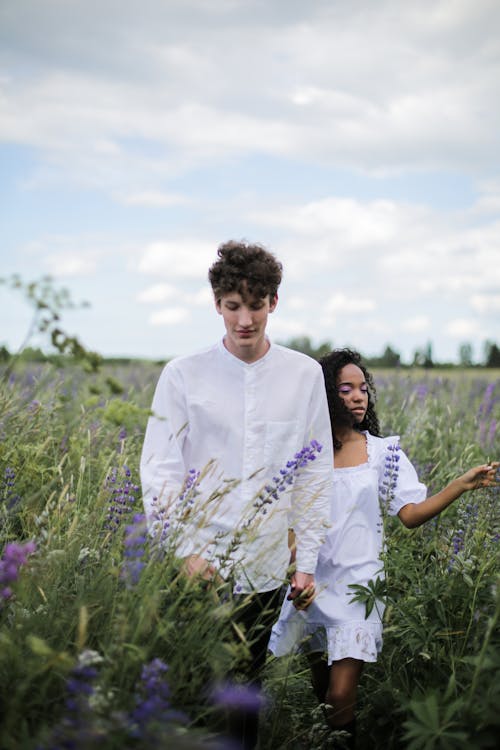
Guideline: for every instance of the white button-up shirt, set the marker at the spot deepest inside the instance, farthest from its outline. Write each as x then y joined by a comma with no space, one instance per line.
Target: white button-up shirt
239,424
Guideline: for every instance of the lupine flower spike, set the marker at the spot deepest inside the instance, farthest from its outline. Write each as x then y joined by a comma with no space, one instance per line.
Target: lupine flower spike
14,557
288,474
122,500
153,713
135,549
387,487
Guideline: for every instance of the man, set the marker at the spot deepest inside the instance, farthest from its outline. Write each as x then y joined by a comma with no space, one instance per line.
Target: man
238,412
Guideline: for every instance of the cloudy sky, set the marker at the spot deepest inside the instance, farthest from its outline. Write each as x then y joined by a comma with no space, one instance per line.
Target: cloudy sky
359,141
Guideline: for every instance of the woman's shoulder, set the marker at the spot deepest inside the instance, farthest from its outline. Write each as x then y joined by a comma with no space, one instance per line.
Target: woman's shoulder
378,446
382,440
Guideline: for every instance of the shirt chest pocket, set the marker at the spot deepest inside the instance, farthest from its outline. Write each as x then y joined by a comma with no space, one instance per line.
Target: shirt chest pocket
280,444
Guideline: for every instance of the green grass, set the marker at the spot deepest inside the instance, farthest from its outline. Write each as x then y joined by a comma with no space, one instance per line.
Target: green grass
64,432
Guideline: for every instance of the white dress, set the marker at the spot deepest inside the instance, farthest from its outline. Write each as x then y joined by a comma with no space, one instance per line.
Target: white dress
351,555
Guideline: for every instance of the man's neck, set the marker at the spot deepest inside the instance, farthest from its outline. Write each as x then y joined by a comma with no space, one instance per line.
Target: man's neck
248,354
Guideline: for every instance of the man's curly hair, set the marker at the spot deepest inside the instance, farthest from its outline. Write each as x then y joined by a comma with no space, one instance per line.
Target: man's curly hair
332,364
248,269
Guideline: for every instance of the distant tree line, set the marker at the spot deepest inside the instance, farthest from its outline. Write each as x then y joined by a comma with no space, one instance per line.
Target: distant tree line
422,357
35,354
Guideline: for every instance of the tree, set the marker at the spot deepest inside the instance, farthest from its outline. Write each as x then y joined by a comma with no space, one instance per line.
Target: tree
32,354
48,302
465,354
304,344
491,354
389,358
423,357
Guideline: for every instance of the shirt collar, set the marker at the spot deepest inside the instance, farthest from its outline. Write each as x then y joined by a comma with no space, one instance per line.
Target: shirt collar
226,353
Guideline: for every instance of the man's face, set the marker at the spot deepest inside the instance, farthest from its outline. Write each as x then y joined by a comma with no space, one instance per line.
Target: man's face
245,319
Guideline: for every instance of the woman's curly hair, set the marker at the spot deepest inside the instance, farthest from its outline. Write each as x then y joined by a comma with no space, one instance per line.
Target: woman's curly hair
248,269
332,364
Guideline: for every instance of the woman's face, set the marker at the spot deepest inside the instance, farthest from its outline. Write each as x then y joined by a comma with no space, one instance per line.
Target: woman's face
353,390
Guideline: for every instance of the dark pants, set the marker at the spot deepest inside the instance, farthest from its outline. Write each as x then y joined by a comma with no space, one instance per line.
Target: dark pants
255,616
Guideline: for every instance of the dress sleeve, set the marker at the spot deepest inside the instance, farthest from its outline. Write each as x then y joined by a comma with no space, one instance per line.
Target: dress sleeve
399,483
162,467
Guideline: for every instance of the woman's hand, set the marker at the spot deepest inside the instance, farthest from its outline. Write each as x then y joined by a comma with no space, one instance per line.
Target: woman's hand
306,598
485,475
302,590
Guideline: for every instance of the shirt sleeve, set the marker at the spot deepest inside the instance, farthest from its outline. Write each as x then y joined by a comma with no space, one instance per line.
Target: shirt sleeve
162,466
311,496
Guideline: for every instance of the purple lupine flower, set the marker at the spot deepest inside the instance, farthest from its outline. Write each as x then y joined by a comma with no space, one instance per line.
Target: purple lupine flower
486,406
487,433
135,548
457,544
387,487
467,523
7,494
122,435
190,487
238,697
153,713
162,516
77,729
122,500
269,493
14,557
421,391
34,406
288,474
482,433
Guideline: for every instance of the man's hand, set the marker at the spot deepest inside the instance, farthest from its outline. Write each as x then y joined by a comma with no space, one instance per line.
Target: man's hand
302,589
195,566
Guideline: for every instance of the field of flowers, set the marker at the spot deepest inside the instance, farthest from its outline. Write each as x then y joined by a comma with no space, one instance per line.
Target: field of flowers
104,644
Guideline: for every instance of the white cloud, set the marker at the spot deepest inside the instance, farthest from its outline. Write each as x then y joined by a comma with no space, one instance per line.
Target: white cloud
340,304
202,298
296,303
407,253
485,303
417,324
157,293
71,264
163,292
178,259
371,86
284,327
488,200
461,328
349,220
169,316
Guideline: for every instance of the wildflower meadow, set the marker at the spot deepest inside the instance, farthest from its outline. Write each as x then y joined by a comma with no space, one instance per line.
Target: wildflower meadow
104,643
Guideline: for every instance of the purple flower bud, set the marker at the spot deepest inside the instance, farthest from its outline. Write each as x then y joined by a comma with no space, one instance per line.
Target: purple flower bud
234,696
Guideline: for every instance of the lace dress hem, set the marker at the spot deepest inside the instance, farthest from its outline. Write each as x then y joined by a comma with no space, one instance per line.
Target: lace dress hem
355,639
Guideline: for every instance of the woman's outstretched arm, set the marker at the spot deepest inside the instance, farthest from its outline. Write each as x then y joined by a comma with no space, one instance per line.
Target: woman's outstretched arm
415,514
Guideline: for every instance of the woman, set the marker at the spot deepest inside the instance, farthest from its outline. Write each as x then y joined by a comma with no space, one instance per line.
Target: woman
370,472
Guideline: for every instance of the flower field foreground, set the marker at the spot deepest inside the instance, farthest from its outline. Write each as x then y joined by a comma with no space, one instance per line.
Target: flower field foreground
104,644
